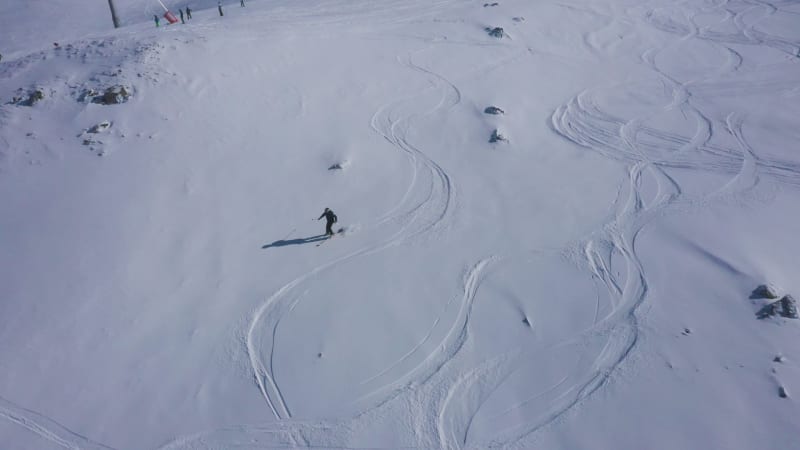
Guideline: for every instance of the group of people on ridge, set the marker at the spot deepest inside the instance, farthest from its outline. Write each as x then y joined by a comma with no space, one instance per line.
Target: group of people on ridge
180,11
157,20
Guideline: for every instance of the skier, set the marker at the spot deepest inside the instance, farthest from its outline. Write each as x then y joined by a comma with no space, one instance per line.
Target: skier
242,2
330,219
188,13
156,19
219,7
181,11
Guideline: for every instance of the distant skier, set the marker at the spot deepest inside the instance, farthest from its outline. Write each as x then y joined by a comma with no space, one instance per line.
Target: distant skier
219,7
188,13
330,219
156,19
181,11
242,3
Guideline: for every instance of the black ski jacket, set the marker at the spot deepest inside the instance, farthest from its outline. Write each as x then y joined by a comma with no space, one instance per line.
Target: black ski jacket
329,216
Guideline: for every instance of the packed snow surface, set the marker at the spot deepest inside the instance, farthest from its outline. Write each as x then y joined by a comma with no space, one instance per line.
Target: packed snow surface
584,281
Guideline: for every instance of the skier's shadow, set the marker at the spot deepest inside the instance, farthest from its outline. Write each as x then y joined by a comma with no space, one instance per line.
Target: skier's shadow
308,240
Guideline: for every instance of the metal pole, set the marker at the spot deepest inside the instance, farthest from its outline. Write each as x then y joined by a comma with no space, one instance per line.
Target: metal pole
113,13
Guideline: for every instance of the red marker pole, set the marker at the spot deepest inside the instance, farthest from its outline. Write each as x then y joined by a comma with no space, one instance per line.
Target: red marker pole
167,14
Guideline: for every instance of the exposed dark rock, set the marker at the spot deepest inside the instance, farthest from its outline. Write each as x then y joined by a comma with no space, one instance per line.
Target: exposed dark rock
782,393
35,96
32,98
785,307
764,291
518,19
493,110
88,95
768,310
336,166
495,32
102,126
113,96
526,321
788,307
778,359
497,137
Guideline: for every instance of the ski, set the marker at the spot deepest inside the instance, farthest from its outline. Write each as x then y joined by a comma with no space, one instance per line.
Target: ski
340,231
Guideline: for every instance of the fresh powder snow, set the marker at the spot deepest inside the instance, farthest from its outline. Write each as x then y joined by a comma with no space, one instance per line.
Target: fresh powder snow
564,224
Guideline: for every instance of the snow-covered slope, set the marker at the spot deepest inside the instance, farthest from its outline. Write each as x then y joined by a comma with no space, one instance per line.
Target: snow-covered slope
585,282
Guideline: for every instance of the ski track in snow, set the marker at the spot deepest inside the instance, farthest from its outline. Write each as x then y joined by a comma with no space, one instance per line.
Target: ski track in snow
423,209
583,122
46,428
745,19
438,383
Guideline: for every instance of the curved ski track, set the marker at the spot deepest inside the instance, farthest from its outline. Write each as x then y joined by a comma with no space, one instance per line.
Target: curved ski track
45,427
746,33
422,210
651,152
438,383
435,384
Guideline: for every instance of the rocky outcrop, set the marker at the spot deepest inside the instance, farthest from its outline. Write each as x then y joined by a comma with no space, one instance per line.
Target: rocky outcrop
788,307
113,96
785,307
764,291
29,99
494,110
497,137
495,32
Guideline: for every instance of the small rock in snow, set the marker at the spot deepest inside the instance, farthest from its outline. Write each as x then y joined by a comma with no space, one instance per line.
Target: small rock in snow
495,32
493,110
785,307
764,291
526,321
768,310
497,137
778,359
782,393
113,96
33,98
88,95
789,307
102,126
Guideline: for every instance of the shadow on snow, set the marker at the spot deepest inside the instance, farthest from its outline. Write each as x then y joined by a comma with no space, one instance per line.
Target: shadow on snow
308,240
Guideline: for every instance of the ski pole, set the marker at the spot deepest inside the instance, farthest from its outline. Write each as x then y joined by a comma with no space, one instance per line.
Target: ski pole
290,233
